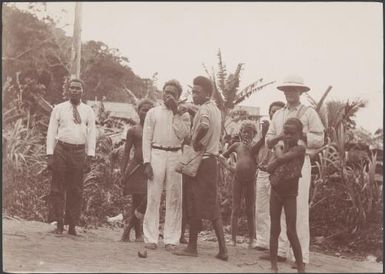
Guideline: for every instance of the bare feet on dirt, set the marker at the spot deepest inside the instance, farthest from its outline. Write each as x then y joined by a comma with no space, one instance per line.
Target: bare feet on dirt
151,246
186,252
183,240
72,231
222,256
267,257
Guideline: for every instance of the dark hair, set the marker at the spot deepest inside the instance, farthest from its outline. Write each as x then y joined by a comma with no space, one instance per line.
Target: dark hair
276,103
143,102
248,124
205,83
174,83
76,80
295,122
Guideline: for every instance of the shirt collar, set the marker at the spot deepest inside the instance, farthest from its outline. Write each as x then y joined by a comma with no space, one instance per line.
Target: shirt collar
293,108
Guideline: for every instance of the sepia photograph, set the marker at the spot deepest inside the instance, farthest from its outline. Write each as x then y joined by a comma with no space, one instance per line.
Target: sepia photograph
192,137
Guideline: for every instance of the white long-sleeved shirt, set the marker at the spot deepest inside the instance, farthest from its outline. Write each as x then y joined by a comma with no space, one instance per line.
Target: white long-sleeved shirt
163,128
312,126
62,127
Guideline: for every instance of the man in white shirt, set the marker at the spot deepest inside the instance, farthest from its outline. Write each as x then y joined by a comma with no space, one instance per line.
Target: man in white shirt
164,130
313,139
71,137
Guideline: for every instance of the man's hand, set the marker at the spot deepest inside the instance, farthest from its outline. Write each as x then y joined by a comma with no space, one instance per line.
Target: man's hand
265,127
87,164
171,103
148,171
50,162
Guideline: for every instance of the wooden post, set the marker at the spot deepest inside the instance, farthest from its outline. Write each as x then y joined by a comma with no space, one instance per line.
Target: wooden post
76,42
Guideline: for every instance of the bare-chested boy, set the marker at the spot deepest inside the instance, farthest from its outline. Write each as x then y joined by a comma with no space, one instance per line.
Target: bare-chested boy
244,181
134,179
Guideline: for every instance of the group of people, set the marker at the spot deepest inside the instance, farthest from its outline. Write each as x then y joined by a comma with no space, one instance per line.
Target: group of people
271,174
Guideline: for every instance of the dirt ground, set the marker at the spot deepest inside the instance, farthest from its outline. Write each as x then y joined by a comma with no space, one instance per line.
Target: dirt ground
29,247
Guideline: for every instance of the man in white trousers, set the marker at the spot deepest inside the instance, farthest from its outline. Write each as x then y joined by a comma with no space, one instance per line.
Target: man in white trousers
262,212
163,132
313,139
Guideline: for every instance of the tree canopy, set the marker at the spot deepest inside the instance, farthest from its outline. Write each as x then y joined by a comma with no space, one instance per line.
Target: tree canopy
38,48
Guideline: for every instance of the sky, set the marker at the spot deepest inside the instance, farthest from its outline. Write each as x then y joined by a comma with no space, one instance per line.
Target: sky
326,43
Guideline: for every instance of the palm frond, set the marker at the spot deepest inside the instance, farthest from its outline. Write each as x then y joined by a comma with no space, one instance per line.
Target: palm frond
320,103
222,73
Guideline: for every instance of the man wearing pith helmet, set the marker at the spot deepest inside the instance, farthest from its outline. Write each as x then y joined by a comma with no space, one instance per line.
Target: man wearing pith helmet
313,138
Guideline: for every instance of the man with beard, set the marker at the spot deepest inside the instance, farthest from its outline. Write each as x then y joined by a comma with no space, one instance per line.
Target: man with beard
71,141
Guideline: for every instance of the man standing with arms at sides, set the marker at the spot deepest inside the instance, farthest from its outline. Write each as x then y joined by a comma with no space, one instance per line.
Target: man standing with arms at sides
134,179
312,139
262,212
202,189
164,130
71,141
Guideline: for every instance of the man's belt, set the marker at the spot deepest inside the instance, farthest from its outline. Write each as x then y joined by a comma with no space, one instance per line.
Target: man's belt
166,148
71,146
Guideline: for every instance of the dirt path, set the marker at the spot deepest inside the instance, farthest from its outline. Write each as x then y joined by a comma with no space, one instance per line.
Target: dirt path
28,247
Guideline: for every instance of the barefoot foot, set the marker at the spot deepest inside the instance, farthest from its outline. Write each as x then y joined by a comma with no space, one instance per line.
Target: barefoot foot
186,252
222,256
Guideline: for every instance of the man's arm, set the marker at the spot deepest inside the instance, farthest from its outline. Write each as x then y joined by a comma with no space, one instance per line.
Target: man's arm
91,133
127,148
315,135
272,136
181,124
52,130
148,132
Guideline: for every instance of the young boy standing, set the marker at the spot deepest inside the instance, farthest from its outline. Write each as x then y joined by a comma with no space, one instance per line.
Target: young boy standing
285,171
134,179
244,181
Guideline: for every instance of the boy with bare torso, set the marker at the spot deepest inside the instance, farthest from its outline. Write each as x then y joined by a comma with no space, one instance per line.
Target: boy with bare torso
244,181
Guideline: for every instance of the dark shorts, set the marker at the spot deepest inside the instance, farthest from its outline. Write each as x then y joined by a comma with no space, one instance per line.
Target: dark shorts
136,183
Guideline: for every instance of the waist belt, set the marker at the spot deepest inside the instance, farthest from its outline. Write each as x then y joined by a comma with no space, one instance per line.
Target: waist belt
166,148
71,146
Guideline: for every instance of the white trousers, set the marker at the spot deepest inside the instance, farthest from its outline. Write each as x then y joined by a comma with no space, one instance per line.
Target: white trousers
262,216
163,164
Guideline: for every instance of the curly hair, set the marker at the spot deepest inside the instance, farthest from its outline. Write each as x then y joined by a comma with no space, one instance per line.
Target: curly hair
174,83
143,102
276,103
205,83
295,122
248,124
77,80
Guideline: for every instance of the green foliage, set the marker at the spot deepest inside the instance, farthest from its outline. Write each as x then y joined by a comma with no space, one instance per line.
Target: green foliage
344,197
38,45
24,178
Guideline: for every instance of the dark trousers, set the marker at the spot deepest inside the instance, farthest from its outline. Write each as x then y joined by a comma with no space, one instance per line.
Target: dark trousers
289,203
67,184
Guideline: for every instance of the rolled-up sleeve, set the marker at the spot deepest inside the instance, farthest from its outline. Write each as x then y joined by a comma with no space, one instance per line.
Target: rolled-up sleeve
181,125
52,130
148,132
315,133
91,133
